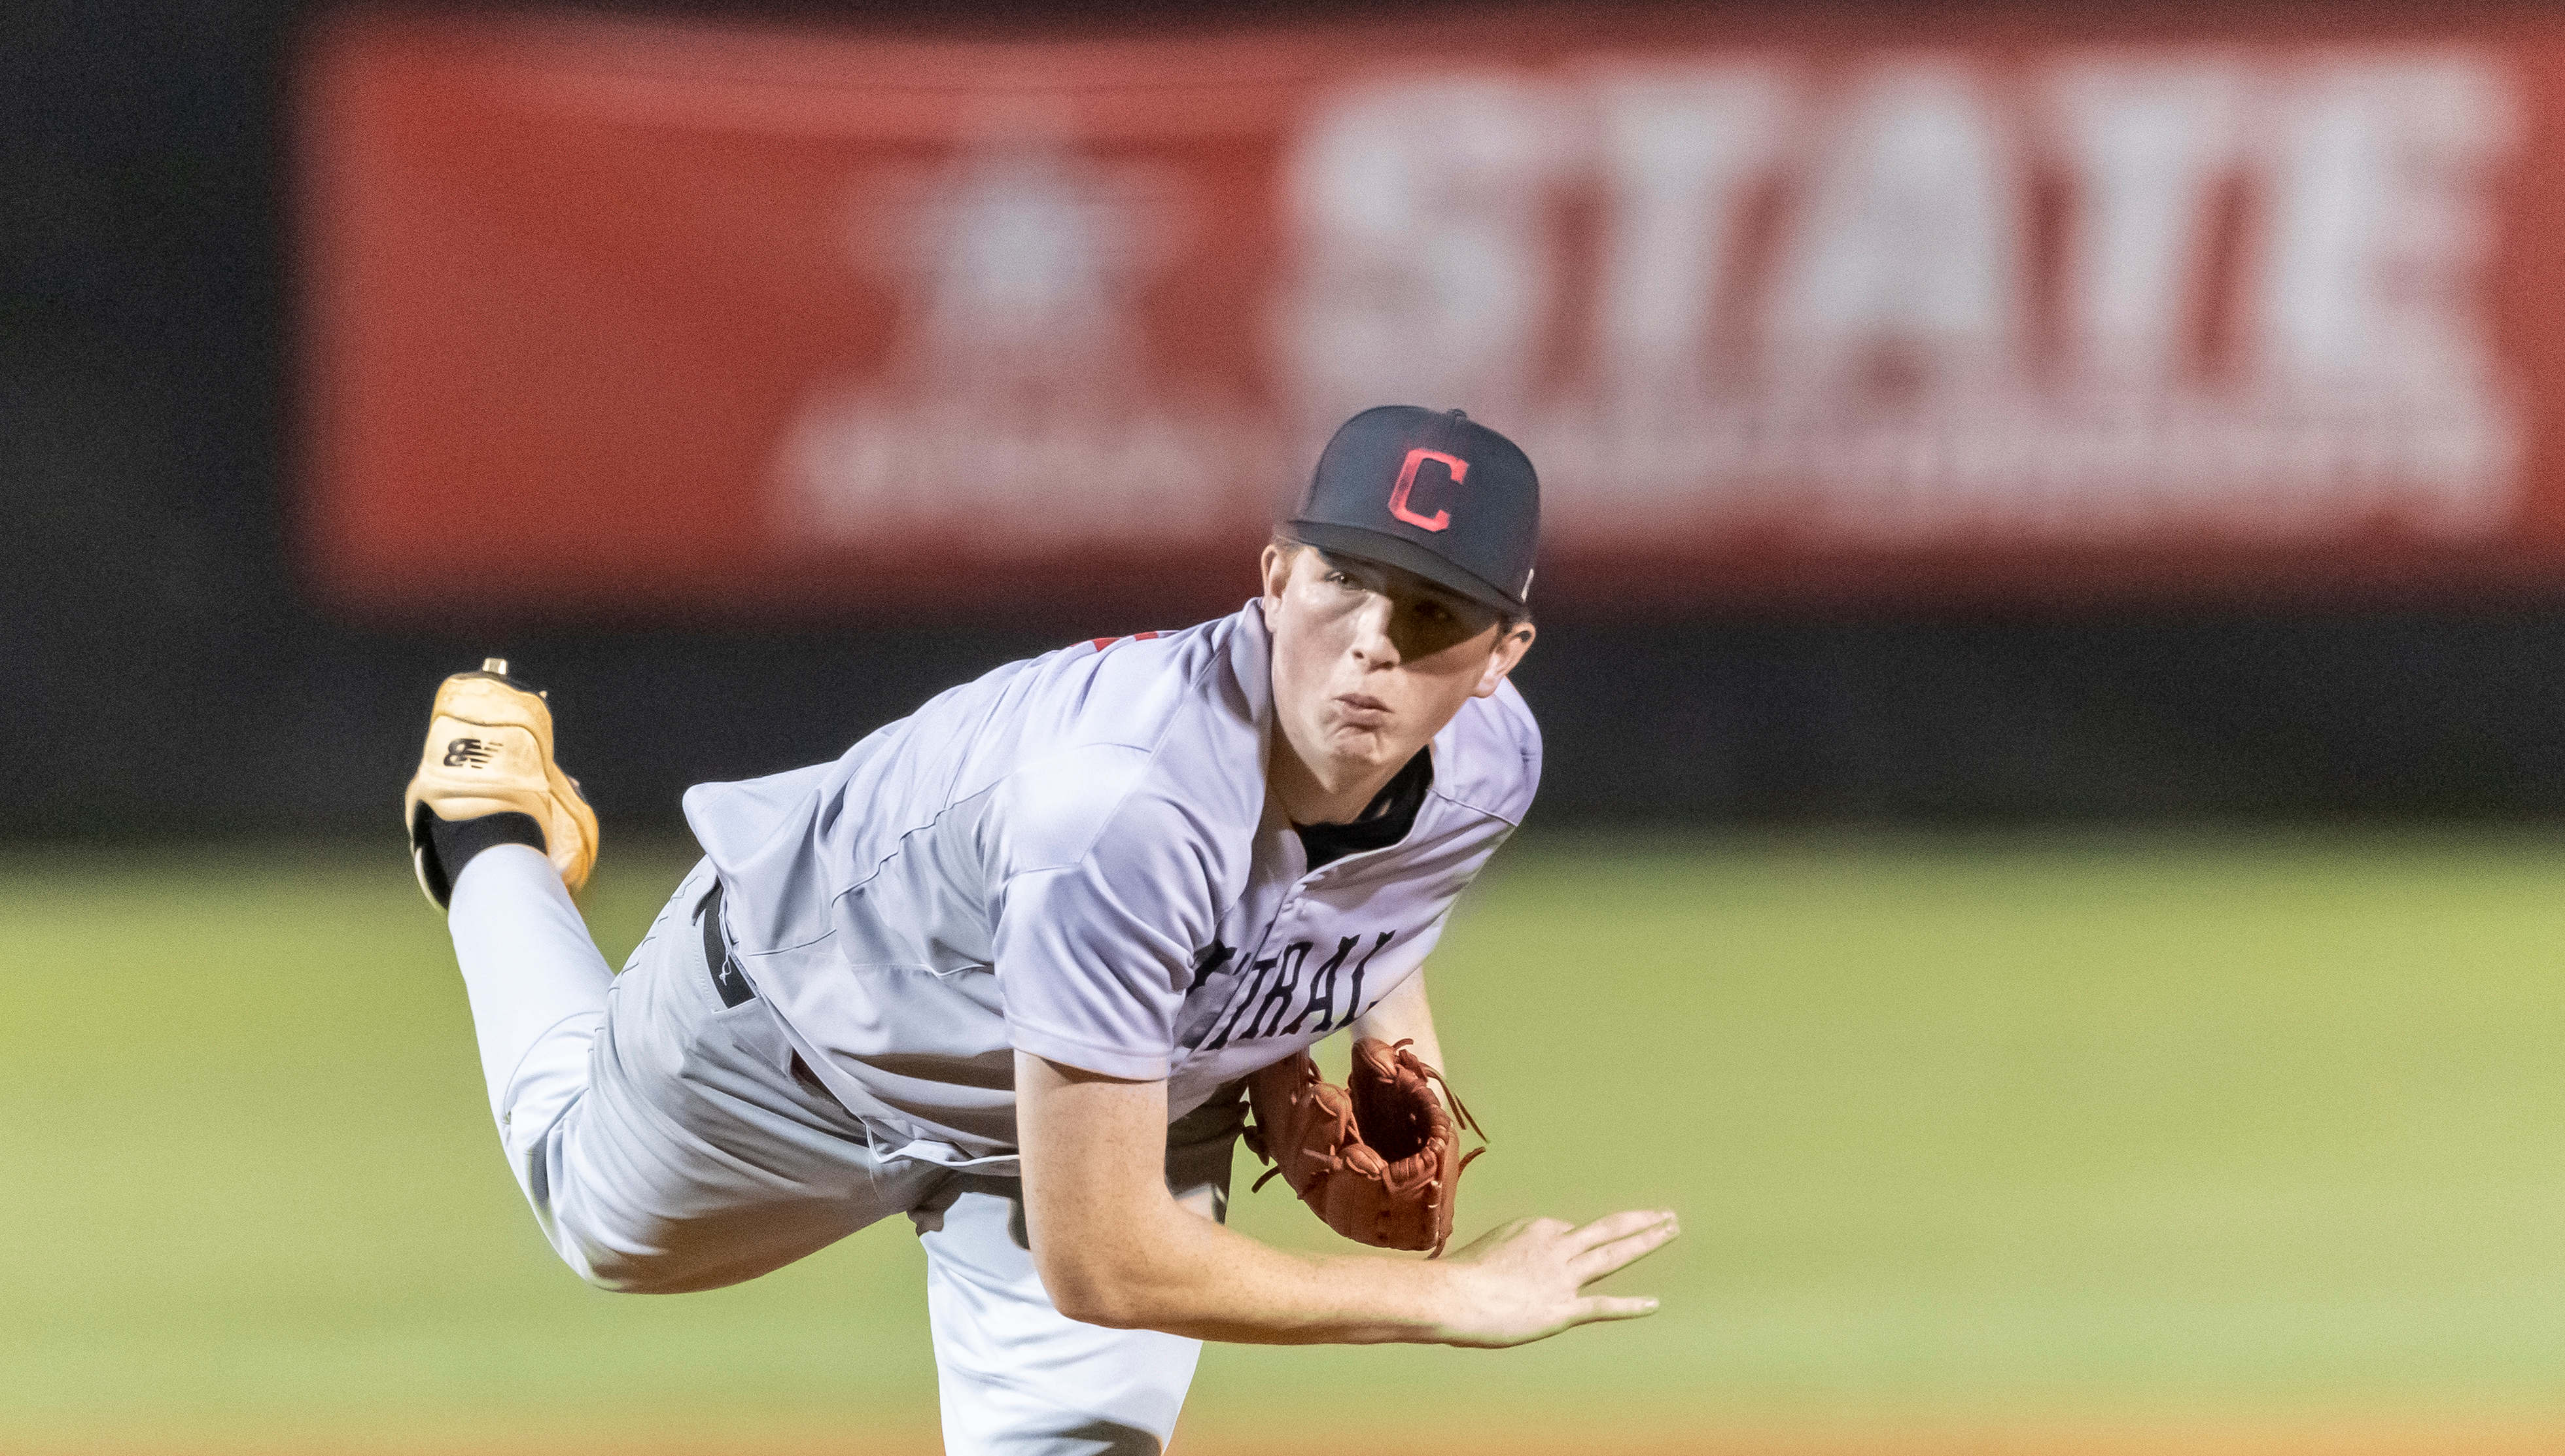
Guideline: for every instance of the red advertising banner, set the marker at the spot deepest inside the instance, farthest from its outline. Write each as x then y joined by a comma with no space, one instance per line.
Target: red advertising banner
657,320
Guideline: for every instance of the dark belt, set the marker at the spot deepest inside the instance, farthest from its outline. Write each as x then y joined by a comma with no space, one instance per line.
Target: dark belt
728,978
732,983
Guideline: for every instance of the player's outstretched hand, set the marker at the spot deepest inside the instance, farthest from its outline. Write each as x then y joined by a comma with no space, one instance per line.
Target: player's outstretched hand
1525,1281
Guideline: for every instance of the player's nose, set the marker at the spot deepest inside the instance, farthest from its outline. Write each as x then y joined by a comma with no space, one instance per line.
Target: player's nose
1372,639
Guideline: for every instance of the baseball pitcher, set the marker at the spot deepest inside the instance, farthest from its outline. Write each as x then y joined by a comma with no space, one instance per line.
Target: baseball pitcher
1018,966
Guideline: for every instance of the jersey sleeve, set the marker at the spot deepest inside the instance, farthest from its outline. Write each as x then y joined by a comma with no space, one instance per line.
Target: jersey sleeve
1094,955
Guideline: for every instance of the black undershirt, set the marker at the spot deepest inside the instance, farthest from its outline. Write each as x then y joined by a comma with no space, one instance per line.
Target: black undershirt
1383,822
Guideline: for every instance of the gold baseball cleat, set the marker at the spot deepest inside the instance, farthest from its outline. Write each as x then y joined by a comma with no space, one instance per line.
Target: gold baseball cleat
490,750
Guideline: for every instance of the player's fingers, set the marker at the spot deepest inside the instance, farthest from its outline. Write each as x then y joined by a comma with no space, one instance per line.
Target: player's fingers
1613,1226
1604,1306
1602,1259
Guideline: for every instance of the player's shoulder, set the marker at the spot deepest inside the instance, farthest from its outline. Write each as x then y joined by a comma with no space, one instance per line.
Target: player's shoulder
1131,689
1140,738
1489,757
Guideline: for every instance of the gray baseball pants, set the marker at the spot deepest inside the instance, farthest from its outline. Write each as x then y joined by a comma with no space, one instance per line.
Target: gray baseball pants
666,1146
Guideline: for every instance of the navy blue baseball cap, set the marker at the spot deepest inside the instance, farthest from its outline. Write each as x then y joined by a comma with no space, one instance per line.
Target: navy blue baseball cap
1429,491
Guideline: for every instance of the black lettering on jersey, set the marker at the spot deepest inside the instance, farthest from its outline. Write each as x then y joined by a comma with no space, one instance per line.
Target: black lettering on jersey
1208,964
1322,990
1245,999
1278,1000
1354,1002
1260,1009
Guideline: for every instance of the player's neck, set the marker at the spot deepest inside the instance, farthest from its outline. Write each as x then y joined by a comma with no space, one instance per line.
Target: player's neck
1310,797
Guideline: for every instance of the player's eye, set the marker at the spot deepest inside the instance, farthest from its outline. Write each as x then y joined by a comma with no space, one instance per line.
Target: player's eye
1337,579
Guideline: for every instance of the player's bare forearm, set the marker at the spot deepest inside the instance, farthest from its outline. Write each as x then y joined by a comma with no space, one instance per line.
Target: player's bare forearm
1405,1015
1114,1248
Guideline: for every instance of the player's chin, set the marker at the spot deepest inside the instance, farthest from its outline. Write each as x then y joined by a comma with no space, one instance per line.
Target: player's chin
1360,747
1376,755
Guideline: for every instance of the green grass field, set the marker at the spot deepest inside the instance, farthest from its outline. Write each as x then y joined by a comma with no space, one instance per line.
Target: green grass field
1962,1130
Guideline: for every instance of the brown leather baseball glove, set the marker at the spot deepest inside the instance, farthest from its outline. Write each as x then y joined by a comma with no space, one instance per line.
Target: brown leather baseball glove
1380,1160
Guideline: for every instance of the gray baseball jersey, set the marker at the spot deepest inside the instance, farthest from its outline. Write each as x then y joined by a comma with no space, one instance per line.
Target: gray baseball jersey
1077,856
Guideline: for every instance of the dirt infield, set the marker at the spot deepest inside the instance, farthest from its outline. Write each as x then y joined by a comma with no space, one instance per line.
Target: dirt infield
2150,1438
2061,1440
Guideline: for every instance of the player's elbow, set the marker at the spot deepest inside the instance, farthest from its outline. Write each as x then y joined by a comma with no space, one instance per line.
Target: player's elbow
1094,1289
1105,1307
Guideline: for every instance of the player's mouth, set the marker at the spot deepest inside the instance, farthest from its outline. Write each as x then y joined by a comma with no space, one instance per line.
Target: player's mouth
1361,709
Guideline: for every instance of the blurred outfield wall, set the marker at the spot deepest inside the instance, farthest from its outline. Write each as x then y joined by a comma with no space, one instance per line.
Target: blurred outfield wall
736,322
1944,414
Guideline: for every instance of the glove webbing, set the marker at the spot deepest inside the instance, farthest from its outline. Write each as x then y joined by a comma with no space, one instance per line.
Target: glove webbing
1461,1116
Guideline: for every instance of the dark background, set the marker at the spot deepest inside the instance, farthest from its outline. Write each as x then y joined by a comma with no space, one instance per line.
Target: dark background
165,672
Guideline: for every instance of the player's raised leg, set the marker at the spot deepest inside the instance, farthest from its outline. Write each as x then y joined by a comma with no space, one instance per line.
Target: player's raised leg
693,1157
499,837
537,988
654,1124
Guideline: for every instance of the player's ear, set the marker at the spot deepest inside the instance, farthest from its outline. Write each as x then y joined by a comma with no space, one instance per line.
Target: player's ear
1276,565
1512,644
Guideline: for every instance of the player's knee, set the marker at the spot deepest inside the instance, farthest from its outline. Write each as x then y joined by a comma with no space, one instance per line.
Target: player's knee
624,1270
628,1277
653,1267
648,1277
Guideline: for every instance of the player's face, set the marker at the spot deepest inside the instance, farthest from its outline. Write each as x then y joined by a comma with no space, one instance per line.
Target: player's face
1370,662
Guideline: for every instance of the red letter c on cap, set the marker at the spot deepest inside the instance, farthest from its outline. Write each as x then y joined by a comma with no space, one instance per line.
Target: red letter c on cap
1439,519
